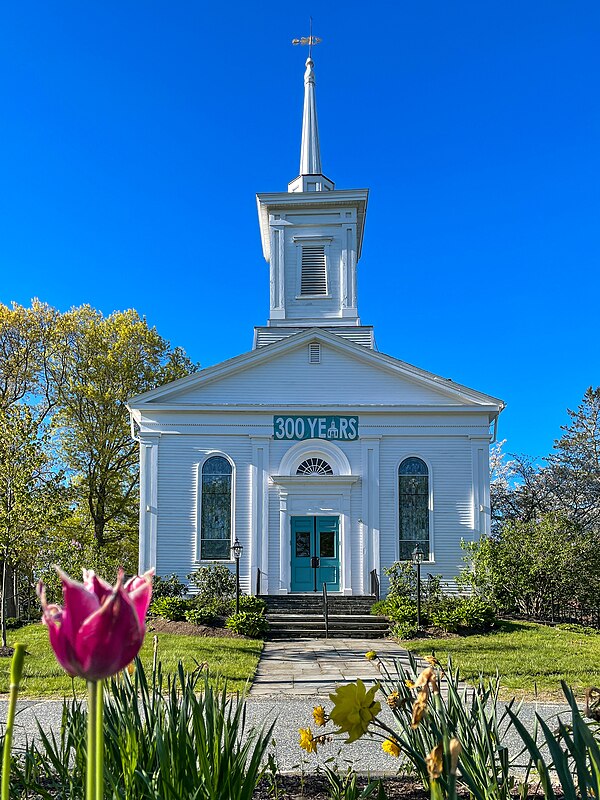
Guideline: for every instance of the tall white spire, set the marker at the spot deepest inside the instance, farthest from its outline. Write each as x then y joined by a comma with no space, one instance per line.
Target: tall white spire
311,178
310,151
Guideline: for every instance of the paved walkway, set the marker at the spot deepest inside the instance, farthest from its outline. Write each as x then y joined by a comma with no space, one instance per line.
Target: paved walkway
305,668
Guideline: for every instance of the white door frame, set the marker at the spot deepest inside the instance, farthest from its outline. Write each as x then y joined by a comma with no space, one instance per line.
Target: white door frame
323,496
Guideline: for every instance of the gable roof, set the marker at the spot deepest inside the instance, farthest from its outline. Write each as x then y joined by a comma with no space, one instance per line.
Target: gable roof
172,395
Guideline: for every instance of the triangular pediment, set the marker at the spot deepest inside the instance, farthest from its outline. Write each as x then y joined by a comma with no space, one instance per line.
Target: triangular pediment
280,374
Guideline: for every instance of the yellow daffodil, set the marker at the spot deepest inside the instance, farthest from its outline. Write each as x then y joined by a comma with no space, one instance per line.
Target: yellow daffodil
307,741
435,765
354,709
419,707
390,746
371,655
393,700
432,661
409,684
455,751
319,716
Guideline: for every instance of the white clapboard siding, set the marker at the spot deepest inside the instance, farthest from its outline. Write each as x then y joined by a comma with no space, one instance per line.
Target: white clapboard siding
178,460
289,378
451,481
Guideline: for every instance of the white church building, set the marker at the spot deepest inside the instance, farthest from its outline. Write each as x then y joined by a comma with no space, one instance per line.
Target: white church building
326,459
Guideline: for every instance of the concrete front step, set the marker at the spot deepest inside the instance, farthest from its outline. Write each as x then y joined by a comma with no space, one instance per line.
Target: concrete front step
301,600
319,633
312,607
301,616
349,626
316,620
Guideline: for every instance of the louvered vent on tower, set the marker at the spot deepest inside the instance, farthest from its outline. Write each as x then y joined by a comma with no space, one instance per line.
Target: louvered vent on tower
314,270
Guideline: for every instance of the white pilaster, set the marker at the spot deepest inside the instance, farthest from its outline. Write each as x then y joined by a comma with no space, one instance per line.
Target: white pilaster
148,499
259,550
285,578
370,509
480,466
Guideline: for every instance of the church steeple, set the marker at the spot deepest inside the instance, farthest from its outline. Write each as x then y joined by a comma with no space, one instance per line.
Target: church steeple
311,178
310,151
312,238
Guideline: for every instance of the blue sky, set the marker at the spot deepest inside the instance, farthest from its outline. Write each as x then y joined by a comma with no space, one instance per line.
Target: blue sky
135,136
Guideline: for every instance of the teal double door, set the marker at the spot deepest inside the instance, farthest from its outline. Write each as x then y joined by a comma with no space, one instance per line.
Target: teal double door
315,554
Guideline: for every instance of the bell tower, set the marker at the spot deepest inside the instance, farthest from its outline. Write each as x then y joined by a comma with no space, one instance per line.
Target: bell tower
312,239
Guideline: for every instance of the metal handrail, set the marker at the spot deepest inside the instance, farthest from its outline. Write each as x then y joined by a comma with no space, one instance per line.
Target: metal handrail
258,575
325,610
375,586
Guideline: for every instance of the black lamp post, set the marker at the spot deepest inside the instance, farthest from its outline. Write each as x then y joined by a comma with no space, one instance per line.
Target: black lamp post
237,550
417,557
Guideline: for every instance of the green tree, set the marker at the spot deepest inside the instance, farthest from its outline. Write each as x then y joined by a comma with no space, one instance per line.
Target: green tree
520,489
33,351
110,359
575,464
536,566
31,494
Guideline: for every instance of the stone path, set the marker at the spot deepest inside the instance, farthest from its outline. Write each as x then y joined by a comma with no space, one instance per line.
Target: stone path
305,668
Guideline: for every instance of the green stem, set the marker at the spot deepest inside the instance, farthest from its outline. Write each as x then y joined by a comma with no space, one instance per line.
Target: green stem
100,742
15,678
92,709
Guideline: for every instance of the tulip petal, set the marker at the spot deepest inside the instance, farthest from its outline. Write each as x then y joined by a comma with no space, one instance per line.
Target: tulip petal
53,618
96,585
78,606
140,594
110,638
63,648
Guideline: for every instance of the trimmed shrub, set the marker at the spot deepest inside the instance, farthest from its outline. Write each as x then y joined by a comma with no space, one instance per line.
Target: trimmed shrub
404,630
401,609
446,614
250,603
171,608
214,582
169,586
453,613
477,613
379,608
248,623
206,613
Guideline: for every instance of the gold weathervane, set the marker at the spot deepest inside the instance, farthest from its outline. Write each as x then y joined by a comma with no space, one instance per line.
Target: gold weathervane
309,40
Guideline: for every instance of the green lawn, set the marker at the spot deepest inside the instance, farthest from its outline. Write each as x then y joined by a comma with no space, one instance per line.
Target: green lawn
233,659
527,656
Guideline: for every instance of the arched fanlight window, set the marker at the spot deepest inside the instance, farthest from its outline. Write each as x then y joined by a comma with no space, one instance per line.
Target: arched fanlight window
215,513
314,466
413,494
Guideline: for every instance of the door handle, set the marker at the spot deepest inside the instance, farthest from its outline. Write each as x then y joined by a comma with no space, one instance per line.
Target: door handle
314,562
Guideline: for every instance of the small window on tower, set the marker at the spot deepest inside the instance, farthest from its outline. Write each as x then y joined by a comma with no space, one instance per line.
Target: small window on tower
314,353
314,270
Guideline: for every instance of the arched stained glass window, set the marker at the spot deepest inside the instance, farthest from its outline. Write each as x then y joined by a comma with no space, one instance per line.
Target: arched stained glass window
215,513
413,494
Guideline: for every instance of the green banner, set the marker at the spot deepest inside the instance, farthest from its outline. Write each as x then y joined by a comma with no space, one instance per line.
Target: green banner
343,429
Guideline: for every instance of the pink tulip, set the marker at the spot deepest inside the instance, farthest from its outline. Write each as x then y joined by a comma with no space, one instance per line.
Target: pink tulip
100,628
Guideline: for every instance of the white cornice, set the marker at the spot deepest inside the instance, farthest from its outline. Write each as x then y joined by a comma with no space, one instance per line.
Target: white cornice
316,409
267,202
